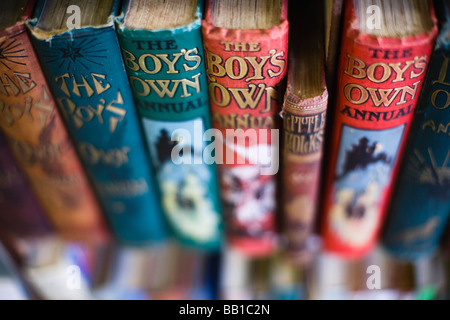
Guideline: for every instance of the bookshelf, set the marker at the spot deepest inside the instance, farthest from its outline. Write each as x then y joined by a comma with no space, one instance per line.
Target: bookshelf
102,254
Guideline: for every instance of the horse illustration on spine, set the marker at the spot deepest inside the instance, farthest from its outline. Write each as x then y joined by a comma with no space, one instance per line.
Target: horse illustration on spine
363,170
186,198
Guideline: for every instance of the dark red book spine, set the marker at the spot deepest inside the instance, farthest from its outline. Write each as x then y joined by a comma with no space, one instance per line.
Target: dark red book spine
378,85
303,127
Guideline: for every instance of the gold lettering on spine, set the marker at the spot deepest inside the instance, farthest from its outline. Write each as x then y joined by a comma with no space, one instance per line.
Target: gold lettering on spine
84,85
130,60
380,72
98,81
145,88
241,68
434,96
363,95
441,80
188,57
127,188
257,67
280,63
215,68
9,84
185,83
304,134
24,81
81,115
371,70
271,94
9,114
245,96
170,63
112,157
225,97
63,85
400,71
143,65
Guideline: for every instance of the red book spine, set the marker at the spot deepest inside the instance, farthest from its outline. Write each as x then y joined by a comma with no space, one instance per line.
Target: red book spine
40,143
378,85
246,69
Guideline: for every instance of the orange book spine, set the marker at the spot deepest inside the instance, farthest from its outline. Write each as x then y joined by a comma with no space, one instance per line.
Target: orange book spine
40,143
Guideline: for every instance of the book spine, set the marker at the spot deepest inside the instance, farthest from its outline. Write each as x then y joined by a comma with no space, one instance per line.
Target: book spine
21,214
379,80
303,129
246,71
35,133
304,117
420,208
167,74
333,39
86,73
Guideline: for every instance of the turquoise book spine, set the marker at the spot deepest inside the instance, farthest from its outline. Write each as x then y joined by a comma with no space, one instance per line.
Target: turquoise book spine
420,208
167,75
86,74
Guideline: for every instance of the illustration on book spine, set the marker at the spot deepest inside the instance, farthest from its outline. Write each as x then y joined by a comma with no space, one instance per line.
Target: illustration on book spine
167,75
364,166
246,70
379,81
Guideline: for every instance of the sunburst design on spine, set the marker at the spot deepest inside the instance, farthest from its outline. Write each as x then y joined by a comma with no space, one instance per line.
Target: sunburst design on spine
82,53
10,51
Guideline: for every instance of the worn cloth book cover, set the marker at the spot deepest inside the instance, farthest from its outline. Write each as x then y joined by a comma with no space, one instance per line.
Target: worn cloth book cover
378,85
86,73
421,204
20,213
40,143
304,117
167,75
246,70
334,10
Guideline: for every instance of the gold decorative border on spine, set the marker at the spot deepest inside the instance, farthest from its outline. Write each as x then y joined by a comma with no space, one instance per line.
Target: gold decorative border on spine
293,104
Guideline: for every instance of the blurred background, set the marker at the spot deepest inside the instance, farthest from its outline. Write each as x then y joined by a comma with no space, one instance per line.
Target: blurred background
50,268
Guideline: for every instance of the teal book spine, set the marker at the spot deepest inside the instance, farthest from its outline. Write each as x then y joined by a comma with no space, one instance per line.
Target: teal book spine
166,71
86,74
421,204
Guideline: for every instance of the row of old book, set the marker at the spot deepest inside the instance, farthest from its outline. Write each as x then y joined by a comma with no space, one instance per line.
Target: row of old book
73,271
255,123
